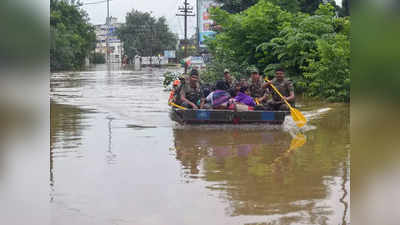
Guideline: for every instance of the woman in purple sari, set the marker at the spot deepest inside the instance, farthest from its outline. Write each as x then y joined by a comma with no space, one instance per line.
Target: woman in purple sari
244,98
219,98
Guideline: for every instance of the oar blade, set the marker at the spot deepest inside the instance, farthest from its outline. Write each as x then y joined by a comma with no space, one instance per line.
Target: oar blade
298,117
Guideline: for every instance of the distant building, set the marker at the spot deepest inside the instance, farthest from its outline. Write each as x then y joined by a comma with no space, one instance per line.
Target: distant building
115,45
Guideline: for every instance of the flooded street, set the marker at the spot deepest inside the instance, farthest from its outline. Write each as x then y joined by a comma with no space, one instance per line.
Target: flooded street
116,158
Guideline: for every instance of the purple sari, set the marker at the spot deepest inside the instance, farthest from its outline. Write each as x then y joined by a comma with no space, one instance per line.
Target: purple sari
218,97
244,99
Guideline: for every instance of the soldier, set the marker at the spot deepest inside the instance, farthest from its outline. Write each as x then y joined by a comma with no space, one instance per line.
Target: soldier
257,87
191,94
285,87
230,82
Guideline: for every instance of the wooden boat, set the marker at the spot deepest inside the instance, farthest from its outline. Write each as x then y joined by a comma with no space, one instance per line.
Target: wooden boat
203,116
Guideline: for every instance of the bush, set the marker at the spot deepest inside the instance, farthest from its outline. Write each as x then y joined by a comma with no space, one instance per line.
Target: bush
169,77
314,49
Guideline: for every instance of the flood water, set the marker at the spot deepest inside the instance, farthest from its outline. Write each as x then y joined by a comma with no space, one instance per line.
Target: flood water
116,158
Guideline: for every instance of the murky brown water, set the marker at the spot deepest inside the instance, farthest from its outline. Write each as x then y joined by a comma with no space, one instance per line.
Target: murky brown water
116,158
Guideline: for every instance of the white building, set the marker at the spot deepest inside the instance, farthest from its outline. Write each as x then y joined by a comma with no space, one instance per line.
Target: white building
115,45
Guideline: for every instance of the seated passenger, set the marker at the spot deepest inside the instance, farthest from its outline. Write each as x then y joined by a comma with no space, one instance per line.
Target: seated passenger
219,98
191,94
243,82
244,98
230,82
207,89
235,90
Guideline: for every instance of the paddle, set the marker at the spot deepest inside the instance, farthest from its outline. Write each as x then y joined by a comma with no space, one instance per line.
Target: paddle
297,116
177,106
297,141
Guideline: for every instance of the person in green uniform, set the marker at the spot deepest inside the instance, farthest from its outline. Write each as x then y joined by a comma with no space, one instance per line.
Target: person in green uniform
285,87
229,79
257,87
191,94
230,82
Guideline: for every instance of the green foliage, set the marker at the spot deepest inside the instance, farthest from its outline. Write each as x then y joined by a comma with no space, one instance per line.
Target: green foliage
306,6
242,33
215,70
169,77
145,35
97,58
314,49
235,6
72,37
329,77
309,6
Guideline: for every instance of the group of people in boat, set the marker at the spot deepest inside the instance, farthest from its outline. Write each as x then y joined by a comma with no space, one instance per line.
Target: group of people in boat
230,94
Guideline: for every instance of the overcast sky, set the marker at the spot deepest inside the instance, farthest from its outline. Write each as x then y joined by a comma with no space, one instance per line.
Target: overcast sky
166,8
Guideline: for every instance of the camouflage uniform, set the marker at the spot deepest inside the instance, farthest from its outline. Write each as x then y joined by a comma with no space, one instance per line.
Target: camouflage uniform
256,88
231,83
284,87
192,94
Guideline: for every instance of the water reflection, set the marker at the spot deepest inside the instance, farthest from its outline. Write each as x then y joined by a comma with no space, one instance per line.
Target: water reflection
345,187
192,146
110,157
270,172
66,133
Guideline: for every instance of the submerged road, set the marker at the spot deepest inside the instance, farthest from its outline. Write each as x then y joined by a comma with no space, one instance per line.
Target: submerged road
116,158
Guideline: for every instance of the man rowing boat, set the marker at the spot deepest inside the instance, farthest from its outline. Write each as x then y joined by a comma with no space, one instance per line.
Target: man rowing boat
285,87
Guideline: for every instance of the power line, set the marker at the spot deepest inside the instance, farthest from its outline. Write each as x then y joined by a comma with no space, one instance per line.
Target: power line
95,3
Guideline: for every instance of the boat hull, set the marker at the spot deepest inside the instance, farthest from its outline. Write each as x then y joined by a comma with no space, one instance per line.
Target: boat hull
226,116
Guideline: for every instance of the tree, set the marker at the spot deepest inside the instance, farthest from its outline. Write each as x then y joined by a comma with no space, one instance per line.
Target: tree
144,35
309,6
235,6
71,36
314,49
306,6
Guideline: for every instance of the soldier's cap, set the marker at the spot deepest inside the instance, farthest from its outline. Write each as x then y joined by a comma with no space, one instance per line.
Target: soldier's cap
194,72
226,71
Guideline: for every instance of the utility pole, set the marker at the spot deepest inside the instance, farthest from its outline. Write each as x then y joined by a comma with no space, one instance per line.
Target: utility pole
187,11
197,26
108,30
